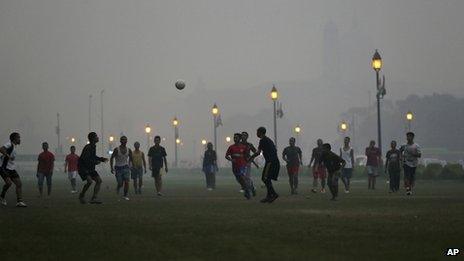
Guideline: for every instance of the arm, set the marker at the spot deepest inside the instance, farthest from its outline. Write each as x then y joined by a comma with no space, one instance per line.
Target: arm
65,165
165,164
131,163
300,155
256,154
352,157
4,152
53,165
113,155
284,156
144,162
38,163
387,161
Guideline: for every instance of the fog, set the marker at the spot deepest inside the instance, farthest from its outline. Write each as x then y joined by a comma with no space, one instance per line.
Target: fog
55,53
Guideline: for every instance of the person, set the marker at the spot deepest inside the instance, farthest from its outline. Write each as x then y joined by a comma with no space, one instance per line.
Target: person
333,163
372,164
70,167
46,162
8,170
157,159
210,166
319,170
347,154
272,164
393,166
250,149
139,166
411,152
237,153
86,168
292,155
122,156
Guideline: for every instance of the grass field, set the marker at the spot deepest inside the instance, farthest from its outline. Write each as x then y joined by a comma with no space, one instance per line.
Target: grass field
190,223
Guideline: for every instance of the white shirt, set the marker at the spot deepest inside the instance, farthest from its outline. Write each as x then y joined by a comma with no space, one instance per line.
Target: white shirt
11,164
346,156
408,157
121,159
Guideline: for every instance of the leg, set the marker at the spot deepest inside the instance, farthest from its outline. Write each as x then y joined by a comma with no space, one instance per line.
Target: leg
140,182
213,180
330,185
96,188
73,184
6,186
19,192
345,179
49,184
295,181
158,183
40,181
119,181
369,181
373,181
392,181
290,180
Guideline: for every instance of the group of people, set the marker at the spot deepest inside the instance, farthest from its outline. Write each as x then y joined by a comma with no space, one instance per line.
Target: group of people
126,164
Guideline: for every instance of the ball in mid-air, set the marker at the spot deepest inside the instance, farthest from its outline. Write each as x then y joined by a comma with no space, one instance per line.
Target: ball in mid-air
180,84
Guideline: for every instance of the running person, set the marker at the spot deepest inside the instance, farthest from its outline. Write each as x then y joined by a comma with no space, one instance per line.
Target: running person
272,166
46,163
333,163
319,170
210,166
86,168
123,157
393,166
347,154
8,170
139,166
293,156
157,159
70,167
250,149
411,154
237,154
372,164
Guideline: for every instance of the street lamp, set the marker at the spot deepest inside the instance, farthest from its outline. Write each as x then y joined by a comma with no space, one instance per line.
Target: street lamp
228,139
274,97
409,118
203,141
377,66
110,144
73,140
215,111
148,131
175,123
343,126
297,131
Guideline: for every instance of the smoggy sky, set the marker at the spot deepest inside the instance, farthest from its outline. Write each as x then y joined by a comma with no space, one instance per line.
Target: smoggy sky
54,53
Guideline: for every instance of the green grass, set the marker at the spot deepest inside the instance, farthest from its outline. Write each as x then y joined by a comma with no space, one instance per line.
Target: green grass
190,223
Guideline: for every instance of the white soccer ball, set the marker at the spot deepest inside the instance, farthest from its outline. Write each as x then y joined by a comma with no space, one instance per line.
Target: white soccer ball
180,84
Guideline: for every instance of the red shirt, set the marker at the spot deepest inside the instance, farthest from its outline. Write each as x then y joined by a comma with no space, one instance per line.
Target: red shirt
373,155
238,153
72,160
46,160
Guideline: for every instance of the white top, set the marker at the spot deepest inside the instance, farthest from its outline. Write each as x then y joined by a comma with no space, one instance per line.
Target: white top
346,156
11,164
121,159
408,157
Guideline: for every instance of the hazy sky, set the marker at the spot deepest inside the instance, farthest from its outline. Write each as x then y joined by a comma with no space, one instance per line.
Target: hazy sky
54,53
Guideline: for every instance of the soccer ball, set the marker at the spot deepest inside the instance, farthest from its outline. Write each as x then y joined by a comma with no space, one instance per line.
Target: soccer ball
180,84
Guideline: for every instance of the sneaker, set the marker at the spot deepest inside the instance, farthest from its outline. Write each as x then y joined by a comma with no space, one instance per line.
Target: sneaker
95,201
209,189
264,200
21,204
159,194
3,201
347,191
409,193
82,200
126,198
242,191
313,190
273,198
323,190
73,191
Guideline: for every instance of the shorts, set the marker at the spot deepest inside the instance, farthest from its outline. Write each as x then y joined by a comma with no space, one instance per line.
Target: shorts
84,173
320,172
271,171
293,170
41,177
347,173
137,173
372,171
240,171
156,173
72,174
8,173
122,173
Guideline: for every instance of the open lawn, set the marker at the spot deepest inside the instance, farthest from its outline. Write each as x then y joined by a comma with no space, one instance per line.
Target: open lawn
190,223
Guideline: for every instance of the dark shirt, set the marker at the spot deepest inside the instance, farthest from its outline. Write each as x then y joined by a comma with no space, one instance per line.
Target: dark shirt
209,158
393,158
89,159
157,155
292,154
269,150
332,161
316,155
373,155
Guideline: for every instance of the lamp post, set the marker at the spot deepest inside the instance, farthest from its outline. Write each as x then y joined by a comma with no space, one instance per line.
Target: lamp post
409,118
215,111
297,131
148,131
377,66
274,97
110,145
175,123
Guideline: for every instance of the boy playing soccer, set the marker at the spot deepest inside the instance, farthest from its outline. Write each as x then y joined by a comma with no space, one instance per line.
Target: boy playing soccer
237,153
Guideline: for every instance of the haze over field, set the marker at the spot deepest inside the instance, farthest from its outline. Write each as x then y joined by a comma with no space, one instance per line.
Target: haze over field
54,53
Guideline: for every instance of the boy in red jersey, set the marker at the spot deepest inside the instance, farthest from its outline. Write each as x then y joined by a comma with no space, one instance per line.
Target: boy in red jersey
237,154
70,167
